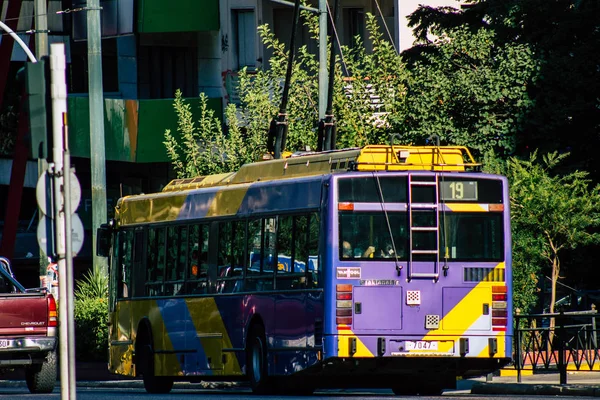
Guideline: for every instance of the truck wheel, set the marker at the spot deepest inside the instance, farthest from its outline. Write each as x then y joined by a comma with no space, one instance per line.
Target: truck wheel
152,383
41,378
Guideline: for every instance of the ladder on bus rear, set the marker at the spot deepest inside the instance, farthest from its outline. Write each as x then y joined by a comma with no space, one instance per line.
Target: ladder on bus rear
424,220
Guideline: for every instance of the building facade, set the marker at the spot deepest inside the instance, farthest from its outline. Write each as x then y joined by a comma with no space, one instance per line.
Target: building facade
150,49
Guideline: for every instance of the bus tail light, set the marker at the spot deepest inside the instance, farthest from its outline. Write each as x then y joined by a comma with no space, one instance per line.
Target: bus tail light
343,303
52,315
499,308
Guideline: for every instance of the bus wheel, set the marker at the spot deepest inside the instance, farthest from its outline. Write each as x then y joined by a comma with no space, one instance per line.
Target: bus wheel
152,383
256,361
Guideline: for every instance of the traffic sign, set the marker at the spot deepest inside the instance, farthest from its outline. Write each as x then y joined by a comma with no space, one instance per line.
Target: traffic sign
77,234
45,197
45,235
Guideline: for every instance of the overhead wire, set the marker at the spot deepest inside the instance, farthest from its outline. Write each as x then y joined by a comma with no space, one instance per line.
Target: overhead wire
385,25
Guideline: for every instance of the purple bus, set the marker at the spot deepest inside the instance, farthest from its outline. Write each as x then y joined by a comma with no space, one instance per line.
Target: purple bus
407,286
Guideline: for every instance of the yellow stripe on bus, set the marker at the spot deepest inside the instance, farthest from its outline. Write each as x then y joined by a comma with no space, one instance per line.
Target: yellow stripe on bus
465,314
165,364
344,346
467,207
212,333
153,209
226,202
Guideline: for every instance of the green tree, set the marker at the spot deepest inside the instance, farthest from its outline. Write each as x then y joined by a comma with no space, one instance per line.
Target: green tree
469,90
204,148
550,214
564,36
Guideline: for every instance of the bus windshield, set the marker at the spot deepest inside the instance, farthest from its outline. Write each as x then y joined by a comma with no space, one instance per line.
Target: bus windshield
463,236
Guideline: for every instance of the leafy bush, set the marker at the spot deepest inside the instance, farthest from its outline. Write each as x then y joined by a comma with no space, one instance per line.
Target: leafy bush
91,317
93,285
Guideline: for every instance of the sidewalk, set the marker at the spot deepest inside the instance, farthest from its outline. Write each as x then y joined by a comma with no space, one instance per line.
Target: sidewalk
579,383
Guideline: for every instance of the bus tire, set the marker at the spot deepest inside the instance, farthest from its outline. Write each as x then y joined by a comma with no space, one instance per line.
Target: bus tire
145,361
256,361
41,378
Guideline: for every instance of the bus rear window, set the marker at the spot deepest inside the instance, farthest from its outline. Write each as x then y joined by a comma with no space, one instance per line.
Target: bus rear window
462,236
366,189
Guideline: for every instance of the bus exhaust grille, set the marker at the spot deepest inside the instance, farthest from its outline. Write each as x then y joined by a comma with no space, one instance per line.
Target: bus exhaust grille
484,274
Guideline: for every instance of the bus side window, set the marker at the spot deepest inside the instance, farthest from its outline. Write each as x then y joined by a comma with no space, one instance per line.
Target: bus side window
268,254
314,272
254,253
285,256
156,263
136,279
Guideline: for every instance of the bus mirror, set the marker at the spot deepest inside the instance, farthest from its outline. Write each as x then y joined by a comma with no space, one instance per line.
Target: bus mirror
103,240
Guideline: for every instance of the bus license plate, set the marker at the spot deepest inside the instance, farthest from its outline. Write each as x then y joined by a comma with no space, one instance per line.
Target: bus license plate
421,345
3,343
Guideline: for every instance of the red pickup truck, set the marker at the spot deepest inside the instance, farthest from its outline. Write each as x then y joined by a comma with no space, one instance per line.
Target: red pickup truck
28,327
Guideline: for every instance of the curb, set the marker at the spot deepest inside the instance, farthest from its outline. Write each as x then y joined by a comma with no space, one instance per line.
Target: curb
133,384
535,389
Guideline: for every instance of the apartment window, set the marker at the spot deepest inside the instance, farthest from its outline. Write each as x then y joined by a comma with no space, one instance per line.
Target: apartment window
164,67
354,25
77,70
244,35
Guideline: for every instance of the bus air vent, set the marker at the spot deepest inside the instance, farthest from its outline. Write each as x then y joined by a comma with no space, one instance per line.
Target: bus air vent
413,297
432,322
484,274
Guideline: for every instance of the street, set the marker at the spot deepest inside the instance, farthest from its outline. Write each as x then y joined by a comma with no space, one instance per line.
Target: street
85,393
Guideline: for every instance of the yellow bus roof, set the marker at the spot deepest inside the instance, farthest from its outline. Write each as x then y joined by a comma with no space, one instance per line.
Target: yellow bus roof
368,158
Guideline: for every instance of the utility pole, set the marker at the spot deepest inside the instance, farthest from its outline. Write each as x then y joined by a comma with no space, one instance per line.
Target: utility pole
40,11
323,58
97,149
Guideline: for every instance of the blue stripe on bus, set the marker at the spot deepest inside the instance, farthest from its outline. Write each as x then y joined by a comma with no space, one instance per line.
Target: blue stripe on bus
292,195
196,205
182,333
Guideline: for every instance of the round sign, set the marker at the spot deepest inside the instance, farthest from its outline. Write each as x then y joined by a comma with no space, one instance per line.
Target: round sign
45,197
46,242
43,194
45,234
76,234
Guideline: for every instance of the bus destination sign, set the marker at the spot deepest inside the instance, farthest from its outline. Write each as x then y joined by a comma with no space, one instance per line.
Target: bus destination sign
458,190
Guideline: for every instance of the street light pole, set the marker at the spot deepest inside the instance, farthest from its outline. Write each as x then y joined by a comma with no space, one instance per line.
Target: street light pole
97,148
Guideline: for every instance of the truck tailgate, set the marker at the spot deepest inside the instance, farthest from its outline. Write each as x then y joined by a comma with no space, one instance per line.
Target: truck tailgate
23,314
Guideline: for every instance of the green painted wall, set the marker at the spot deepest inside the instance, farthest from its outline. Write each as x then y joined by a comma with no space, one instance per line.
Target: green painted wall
156,116
155,16
78,115
133,129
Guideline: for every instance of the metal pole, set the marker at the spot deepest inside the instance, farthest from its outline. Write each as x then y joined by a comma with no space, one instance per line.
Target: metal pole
98,156
59,108
562,365
322,58
518,346
68,281
40,9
